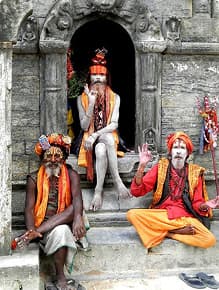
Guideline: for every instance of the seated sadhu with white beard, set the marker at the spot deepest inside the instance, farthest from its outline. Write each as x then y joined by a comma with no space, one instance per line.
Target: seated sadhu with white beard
54,207
98,108
179,196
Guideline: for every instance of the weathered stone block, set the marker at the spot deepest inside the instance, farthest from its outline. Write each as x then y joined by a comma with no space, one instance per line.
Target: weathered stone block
18,147
20,166
25,65
26,133
25,118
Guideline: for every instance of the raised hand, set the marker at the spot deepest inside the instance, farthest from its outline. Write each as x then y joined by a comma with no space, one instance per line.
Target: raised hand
92,94
144,154
213,203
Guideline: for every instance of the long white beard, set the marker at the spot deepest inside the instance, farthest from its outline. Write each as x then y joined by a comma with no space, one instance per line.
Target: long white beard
54,171
178,163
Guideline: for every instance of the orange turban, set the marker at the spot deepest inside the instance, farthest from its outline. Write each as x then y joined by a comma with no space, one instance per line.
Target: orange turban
179,135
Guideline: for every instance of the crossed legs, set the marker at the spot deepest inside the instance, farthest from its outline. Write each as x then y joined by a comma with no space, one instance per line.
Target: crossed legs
153,226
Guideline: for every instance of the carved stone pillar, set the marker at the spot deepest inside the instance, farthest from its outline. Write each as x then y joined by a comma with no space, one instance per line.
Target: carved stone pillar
148,103
53,100
5,146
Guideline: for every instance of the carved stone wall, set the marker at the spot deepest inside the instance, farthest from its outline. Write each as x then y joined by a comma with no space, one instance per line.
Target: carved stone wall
163,34
145,31
10,14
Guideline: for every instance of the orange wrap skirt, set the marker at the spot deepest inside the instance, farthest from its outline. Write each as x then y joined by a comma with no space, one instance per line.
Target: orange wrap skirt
153,225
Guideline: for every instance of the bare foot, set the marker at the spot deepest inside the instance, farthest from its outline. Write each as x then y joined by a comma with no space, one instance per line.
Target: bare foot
123,191
65,285
97,201
187,230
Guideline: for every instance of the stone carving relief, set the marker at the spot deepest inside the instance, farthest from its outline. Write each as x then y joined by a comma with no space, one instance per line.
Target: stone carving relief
173,26
149,137
201,6
28,33
59,22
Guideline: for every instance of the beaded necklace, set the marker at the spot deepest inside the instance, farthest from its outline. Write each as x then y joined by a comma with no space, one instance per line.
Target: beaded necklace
176,182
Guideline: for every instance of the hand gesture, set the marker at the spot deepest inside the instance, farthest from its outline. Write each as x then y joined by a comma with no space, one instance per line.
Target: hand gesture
213,203
23,240
144,154
92,94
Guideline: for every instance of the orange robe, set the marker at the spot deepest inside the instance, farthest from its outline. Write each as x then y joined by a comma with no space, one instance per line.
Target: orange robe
153,225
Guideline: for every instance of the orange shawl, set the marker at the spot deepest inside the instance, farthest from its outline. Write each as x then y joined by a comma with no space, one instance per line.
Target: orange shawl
85,158
194,171
64,193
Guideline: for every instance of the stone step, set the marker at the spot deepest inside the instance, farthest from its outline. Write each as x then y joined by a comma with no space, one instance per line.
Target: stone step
152,282
20,270
117,253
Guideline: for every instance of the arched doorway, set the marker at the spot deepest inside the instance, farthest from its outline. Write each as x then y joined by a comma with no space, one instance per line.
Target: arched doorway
121,64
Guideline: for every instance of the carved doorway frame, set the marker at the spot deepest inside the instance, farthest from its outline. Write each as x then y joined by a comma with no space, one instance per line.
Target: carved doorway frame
61,23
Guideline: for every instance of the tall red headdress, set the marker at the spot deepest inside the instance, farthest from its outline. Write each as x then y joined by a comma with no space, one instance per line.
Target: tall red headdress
99,62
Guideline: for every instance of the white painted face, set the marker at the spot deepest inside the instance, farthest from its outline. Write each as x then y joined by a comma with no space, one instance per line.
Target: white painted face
97,78
179,153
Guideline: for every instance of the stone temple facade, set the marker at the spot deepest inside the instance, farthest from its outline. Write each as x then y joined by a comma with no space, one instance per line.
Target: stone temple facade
162,56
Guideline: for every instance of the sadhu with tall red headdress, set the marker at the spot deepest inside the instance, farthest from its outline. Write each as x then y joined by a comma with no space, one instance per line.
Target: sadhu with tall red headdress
98,108
178,210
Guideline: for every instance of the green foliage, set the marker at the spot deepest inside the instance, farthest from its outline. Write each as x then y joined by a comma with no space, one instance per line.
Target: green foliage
76,85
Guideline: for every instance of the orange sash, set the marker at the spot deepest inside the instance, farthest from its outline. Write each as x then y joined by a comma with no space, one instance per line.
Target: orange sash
64,193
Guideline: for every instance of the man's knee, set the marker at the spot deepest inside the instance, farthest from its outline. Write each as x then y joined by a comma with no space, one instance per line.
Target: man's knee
209,241
107,139
100,150
61,230
131,215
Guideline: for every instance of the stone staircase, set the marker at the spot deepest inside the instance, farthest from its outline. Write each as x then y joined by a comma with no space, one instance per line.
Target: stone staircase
117,259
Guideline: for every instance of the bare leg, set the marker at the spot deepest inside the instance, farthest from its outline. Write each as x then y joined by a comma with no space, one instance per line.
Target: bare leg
101,168
113,166
59,258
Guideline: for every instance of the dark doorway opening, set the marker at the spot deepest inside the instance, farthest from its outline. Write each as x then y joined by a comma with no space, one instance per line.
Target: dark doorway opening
121,65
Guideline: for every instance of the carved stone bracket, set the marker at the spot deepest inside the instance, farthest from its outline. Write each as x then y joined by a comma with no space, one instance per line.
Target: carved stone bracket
28,36
151,46
51,46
